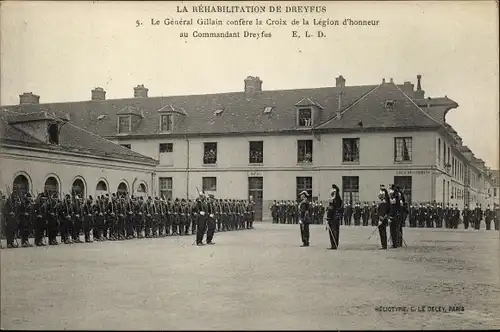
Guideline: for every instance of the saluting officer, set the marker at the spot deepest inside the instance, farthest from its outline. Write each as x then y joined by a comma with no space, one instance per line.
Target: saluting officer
334,216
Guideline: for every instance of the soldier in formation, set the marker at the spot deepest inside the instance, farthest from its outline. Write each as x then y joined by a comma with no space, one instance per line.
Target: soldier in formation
287,212
115,217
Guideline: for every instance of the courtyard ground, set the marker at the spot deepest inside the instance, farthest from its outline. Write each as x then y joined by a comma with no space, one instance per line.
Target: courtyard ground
257,279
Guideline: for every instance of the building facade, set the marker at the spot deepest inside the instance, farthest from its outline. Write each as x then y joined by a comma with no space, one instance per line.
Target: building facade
270,145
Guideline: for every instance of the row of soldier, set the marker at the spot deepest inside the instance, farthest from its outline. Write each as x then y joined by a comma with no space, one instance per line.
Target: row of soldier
114,218
288,212
429,215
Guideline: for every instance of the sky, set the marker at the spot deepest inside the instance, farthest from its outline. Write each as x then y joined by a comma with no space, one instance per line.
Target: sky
61,51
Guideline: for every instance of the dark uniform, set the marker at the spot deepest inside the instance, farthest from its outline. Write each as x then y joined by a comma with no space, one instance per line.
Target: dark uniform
357,214
395,215
488,217
466,214
211,223
365,214
374,214
201,210
77,220
334,217
478,216
88,218
305,219
384,212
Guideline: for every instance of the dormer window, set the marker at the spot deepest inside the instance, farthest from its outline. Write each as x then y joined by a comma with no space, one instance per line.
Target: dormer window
124,124
305,117
53,131
389,104
167,122
268,109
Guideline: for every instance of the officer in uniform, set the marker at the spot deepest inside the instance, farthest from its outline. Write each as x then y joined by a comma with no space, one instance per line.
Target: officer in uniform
201,210
10,213
478,216
100,228
274,212
365,214
374,214
384,208
357,214
50,208
395,217
211,223
112,218
77,219
455,217
304,218
496,218
24,217
40,220
466,216
334,216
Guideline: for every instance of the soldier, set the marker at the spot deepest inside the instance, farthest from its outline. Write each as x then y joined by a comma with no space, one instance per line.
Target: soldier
357,214
169,206
282,212
134,221
40,219
100,231
201,209
466,216
365,214
148,217
422,216
374,214
384,214
395,217
478,216
10,211
88,218
176,216
77,219
111,210
50,206
187,222
305,218
218,214
156,217
322,210
24,216
496,218
347,210
334,216
455,217
194,217
225,216
290,213
274,212
488,217
413,216
403,211
440,215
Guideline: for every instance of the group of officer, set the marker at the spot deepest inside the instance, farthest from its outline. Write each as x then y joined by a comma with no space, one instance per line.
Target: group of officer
288,212
117,217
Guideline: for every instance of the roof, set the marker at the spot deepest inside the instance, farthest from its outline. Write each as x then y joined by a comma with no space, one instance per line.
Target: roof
71,139
385,106
242,114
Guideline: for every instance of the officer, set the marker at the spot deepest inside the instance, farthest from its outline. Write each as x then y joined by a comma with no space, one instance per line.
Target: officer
394,226
50,208
478,216
488,217
304,218
334,216
148,219
40,220
466,216
374,214
357,214
77,219
384,207
201,210
365,214
10,212
100,228
211,223
496,217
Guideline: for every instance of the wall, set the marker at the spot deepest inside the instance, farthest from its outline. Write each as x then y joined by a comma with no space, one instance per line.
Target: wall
38,166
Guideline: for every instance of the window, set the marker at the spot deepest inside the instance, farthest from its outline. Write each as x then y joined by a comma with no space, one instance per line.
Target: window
167,121
166,147
166,187
350,149
51,186
439,151
124,124
304,183
304,151
389,104
449,154
101,186
256,152
53,132
210,153
444,154
402,148
305,118
128,146
141,188
21,185
209,184
350,189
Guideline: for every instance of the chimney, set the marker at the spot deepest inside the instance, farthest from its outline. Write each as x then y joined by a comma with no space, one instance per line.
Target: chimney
419,94
140,91
28,98
252,85
98,94
340,82
408,89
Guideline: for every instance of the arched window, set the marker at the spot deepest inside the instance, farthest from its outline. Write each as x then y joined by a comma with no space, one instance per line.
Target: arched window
122,189
78,188
21,185
51,186
101,186
142,188
53,131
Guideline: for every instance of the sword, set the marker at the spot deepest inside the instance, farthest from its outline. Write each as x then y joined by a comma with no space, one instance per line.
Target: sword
331,233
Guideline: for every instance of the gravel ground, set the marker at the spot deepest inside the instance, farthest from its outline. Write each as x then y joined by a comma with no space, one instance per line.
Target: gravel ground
257,279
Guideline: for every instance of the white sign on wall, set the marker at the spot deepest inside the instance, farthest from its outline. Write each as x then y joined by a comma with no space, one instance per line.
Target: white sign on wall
255,174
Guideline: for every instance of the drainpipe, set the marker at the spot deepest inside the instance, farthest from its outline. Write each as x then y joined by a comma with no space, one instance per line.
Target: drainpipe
153,187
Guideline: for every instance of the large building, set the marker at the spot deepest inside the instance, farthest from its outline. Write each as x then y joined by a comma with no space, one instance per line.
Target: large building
272,144
41,152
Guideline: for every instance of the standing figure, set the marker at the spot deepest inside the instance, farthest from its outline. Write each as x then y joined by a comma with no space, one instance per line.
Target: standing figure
374,214
384,207
357,214
211,223
395,217
88,218
478,216
304,218
334,216
466,216
488,217
201,210
365,214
